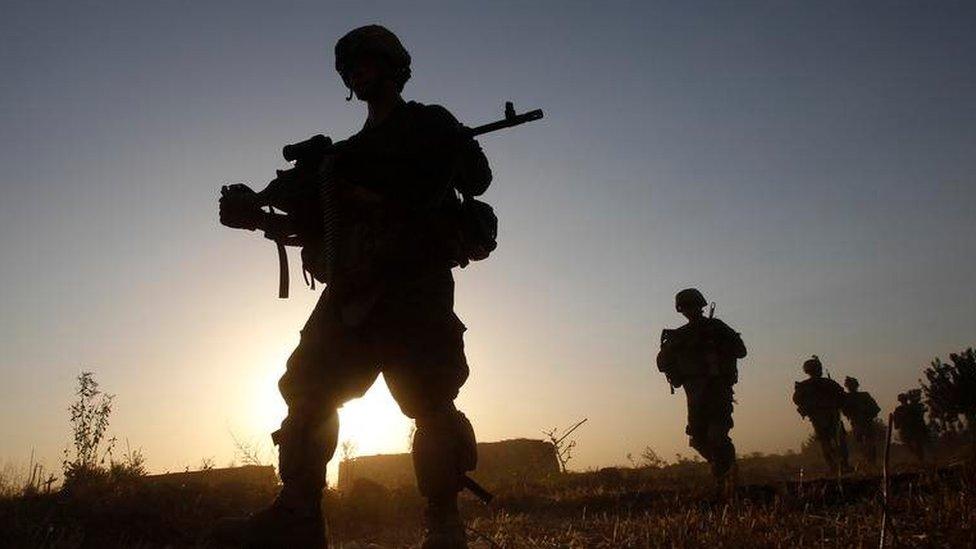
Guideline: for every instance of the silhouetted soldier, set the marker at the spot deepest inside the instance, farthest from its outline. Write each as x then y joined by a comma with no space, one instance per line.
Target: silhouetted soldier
701,357
862,410
396,177
820,399
909,419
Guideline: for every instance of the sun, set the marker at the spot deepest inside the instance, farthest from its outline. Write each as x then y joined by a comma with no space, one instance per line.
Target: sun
369,425
374,423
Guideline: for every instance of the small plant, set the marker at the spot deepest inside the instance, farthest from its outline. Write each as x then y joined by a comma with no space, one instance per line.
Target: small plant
348,450
563,444
89,423
247,452
650,459
132,465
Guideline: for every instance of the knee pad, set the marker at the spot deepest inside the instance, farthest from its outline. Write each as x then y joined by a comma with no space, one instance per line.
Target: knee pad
306,443
444,448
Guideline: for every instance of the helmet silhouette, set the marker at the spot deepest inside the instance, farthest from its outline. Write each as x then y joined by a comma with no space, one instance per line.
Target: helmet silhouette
689,298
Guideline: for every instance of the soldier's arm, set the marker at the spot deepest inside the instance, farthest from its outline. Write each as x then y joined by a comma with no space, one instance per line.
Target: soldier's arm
665,359
731,340
798,400
848,405
738,346
872,405
446,155
421,172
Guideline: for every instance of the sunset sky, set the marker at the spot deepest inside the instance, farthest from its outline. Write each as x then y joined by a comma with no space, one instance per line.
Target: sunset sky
811,166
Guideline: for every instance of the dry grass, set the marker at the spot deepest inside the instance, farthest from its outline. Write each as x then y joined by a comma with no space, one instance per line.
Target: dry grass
610,508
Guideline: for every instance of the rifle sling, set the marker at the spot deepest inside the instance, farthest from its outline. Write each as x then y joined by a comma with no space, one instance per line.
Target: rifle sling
283,281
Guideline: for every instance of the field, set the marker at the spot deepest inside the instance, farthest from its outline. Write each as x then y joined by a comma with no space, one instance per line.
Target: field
671,506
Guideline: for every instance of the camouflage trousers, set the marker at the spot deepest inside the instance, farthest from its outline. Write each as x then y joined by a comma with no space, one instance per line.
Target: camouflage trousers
420,352
710,420
832,437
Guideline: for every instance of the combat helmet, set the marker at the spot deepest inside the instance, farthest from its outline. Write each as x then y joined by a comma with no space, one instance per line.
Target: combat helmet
373,40
689,298
851,383
813,367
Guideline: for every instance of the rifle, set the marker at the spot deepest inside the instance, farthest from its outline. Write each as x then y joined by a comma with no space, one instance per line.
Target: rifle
665,336
297,187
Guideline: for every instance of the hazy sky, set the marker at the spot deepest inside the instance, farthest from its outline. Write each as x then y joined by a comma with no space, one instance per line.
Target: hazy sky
809,165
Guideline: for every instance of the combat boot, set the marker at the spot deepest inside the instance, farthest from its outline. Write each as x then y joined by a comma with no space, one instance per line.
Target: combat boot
445,530
283,524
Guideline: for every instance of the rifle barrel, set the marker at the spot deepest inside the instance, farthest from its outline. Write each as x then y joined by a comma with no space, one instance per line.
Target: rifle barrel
507,122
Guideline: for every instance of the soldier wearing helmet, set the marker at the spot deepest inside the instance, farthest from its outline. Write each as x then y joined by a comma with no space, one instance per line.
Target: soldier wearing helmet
401,172
701,357
909,420
821,399
861,410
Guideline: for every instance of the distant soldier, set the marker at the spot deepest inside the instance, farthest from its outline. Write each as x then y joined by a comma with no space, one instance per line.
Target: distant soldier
701,357
909,420
862,410
821,399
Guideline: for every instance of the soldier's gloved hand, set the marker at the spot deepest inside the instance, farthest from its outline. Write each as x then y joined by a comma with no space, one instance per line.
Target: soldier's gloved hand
238,207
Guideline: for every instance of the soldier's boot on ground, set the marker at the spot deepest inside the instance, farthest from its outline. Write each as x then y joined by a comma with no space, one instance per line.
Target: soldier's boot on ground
445,529
444,448
288,522
294,519
724,467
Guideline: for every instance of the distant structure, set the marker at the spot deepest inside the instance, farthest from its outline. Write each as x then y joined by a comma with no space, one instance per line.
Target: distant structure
499,463
253,476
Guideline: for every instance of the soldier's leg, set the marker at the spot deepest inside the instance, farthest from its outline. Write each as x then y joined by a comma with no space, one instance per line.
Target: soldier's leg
444,448
719,405
424,377
824,432
331,364
842,445
697,430
871,447
917,446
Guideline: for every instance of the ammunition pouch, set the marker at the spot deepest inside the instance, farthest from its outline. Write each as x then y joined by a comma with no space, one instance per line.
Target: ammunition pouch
477,231
444,448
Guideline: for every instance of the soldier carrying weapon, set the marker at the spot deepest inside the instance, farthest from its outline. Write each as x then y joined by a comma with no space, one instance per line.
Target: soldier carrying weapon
701,357
909,419
862,410
381,223
820,399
